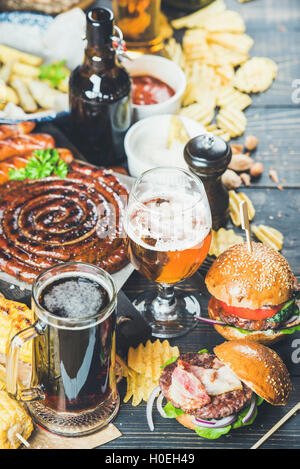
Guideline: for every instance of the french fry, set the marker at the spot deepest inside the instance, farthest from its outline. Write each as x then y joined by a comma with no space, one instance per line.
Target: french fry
8,54
9,95
26,100
269,236
43,94
25,70
5,72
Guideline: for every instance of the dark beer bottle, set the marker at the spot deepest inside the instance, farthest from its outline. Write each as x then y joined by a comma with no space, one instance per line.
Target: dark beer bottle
100,95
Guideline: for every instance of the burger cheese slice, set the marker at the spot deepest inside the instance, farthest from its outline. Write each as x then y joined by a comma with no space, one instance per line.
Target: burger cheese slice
213,393
254,294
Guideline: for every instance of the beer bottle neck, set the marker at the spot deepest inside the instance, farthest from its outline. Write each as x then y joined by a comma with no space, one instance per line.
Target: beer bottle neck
99,53
100,58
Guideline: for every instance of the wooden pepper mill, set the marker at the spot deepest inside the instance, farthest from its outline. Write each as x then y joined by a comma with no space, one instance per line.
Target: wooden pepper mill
208,157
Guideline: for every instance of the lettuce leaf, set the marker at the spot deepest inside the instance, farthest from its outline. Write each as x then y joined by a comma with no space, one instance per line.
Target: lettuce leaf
168,362
171,411
214,433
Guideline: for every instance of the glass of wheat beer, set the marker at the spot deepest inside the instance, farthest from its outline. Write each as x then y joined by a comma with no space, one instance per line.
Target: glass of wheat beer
168,228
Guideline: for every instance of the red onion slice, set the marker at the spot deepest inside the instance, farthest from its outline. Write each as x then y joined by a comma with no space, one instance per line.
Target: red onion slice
159,405
215,423
251,410
150,407
289,322
211,321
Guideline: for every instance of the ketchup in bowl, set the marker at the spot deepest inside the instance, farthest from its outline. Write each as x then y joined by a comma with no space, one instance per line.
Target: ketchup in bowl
149,90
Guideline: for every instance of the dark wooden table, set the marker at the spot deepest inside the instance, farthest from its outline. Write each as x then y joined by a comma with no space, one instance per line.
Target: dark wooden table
275,119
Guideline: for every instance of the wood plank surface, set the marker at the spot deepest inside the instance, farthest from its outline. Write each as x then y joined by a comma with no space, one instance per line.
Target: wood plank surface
275,120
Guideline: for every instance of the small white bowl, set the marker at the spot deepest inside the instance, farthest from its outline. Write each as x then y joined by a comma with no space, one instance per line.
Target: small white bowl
166,71
145,143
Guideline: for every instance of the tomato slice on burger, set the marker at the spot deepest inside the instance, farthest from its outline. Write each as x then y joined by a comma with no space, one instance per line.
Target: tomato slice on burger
248,313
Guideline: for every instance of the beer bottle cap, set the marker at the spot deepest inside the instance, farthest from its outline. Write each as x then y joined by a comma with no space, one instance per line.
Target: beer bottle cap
99,26
207,152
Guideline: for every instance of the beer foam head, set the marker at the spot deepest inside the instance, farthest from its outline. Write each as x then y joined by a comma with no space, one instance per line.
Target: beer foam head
169,222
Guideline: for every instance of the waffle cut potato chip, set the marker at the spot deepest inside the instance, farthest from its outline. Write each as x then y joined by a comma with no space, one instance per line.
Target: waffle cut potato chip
269,236
226,21
200,17
234,207
144,368
231,97
177,132
214,129
241,43
255,75
222,240
232,121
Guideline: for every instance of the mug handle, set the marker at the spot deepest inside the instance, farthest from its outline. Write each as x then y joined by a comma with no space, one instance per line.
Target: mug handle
26,394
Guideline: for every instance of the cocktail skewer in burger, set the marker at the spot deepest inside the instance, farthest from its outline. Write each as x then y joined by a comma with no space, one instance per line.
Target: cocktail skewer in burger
254,294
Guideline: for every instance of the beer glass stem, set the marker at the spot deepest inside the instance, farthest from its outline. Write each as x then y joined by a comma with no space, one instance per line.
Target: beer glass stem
164,305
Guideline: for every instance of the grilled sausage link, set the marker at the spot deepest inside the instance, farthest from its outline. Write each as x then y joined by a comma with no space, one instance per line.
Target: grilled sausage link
17,162
25,143
15,130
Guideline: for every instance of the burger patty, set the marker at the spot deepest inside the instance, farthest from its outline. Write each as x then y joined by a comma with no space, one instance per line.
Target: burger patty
248,324
215,308
220,406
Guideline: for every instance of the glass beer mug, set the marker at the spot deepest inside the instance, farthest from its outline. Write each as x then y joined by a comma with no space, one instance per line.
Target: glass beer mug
73,387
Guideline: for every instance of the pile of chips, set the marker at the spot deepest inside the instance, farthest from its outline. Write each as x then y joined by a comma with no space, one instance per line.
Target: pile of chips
144,367
220,74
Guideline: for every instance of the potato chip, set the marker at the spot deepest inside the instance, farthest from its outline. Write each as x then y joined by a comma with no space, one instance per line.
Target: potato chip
175,52
149,358
234,207
212,128
223,55
177,132
201,112
225,21
230,97
144,368
232,121
255,75
269,236
241,43
199,17
222,240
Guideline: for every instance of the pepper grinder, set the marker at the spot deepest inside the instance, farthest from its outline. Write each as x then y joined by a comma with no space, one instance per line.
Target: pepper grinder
208,157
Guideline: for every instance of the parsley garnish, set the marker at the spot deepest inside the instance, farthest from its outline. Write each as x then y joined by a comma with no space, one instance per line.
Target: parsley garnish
55,73
42,164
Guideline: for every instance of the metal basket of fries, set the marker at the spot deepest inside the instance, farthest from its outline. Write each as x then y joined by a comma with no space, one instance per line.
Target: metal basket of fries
50,7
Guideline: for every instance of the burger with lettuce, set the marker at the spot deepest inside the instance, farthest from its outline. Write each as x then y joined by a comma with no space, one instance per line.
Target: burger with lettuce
254,294
214,393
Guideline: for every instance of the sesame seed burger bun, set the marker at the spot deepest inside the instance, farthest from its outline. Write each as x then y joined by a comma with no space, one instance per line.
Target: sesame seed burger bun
254,279
259,367
232,333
